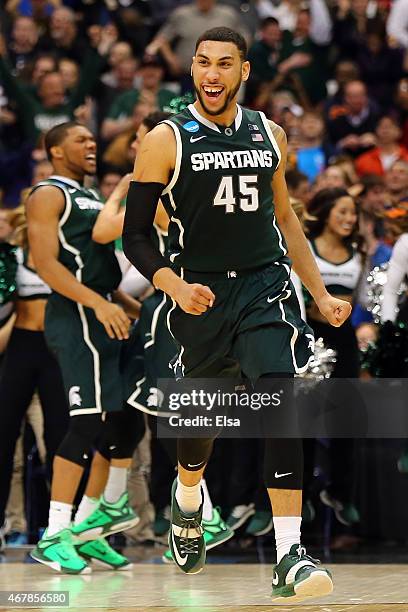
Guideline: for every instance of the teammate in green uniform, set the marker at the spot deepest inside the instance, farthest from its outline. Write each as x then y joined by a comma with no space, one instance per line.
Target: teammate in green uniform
220,172
70,234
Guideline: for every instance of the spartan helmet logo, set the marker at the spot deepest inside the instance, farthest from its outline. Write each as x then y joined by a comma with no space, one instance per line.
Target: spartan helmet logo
74,397
311,344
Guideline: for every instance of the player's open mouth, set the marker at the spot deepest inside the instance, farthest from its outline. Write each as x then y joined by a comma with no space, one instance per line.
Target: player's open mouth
213,91
91,157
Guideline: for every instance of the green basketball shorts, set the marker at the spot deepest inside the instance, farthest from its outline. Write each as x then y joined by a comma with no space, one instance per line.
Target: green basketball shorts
254,326
90,361
158,349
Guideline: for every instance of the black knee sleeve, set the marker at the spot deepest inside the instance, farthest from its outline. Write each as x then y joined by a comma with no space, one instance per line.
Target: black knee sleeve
122,433
283,459
194,453
83,431
283,463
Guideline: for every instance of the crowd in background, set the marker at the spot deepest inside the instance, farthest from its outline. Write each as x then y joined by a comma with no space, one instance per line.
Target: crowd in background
332,73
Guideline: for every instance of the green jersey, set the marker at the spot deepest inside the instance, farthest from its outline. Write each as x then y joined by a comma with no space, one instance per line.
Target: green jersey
93,264
219,198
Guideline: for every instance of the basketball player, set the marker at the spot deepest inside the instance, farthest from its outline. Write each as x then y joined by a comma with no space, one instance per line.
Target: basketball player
219,170
70,234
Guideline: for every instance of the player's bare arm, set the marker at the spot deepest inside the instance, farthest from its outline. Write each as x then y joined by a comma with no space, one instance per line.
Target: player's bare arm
109,224
155,163
335,310
44,209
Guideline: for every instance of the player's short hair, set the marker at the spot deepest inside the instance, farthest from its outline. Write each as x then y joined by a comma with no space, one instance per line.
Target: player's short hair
222,34
154,119
56,135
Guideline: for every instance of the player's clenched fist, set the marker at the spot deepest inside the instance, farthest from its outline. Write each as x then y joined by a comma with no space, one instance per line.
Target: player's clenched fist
336,311
114,319
194,298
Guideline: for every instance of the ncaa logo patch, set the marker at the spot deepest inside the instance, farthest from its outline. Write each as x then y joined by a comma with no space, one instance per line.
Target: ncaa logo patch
191,126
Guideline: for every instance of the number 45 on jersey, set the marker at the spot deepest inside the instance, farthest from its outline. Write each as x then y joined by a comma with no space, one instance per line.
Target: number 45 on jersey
247,198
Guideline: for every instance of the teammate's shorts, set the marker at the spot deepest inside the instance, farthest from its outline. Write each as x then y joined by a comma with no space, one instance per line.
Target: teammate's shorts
91,363
254,326
158,349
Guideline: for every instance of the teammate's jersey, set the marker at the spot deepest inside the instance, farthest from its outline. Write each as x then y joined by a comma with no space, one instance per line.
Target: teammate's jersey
95,265
219,198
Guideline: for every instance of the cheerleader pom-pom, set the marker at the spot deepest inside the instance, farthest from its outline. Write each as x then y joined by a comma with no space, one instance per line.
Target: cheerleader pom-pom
8,269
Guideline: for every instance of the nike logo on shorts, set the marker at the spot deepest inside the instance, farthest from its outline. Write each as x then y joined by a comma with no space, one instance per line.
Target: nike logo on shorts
282,475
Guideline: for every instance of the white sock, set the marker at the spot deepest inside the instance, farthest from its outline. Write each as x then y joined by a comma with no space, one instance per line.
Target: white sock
287,533
85,508
59,517
116,485
207,505
188,498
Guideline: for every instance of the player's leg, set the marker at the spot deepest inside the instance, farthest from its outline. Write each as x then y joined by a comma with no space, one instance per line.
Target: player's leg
122,432
105,507
274,344
69,337
55,548
54,405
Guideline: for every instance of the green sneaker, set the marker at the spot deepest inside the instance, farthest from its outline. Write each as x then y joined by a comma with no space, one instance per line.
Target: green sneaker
215,533
107,519
102,554
186,537
298,577
260,524
58,552
161,523
239,515
347,514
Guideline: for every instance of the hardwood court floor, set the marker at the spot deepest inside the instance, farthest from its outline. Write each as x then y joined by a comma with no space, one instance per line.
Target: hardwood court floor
219,588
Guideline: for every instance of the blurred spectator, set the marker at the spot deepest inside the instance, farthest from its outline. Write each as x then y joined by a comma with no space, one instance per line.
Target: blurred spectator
23,45
119,153
183,27
108,182
285,12
298,186
351,24
119,118
63,39
345,71
264,52
42,65
380,66
40,10
333,177
119,53
402,107
69,71
397,25
352,130
41,171
374,197
387,151
311,157
303,57
396,180
39,114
